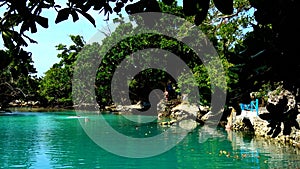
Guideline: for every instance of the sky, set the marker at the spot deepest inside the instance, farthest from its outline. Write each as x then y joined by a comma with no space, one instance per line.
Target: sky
44,54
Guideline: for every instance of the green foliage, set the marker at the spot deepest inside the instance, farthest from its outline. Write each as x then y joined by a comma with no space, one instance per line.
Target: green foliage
225,31
26,15
254,49
56,86
16,80
267,54
223,35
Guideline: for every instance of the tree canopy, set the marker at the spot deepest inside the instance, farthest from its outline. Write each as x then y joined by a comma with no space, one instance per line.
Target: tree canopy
56,85
265,55
22,16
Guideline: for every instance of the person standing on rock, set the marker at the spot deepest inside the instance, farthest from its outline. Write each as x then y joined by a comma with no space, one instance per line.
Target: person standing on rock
171,91
166,94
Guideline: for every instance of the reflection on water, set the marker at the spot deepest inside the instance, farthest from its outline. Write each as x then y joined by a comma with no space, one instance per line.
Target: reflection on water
274,154
57,140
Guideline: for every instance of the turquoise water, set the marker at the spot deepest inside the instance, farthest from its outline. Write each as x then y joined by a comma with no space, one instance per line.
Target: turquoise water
57,140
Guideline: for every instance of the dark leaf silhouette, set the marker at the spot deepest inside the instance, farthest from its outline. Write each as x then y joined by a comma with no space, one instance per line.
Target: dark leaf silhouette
98,5
88,16
152,6
202,13
63,15
33,28
135,7
224,6
168,2
42,21
74,15
190,7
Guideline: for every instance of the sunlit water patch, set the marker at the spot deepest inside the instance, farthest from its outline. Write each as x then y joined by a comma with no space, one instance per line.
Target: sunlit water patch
57,140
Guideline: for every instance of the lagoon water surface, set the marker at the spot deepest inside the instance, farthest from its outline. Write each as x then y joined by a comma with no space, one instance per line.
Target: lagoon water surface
57,140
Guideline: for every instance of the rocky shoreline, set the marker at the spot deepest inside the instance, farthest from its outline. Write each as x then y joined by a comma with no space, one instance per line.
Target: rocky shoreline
189,116
250,122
